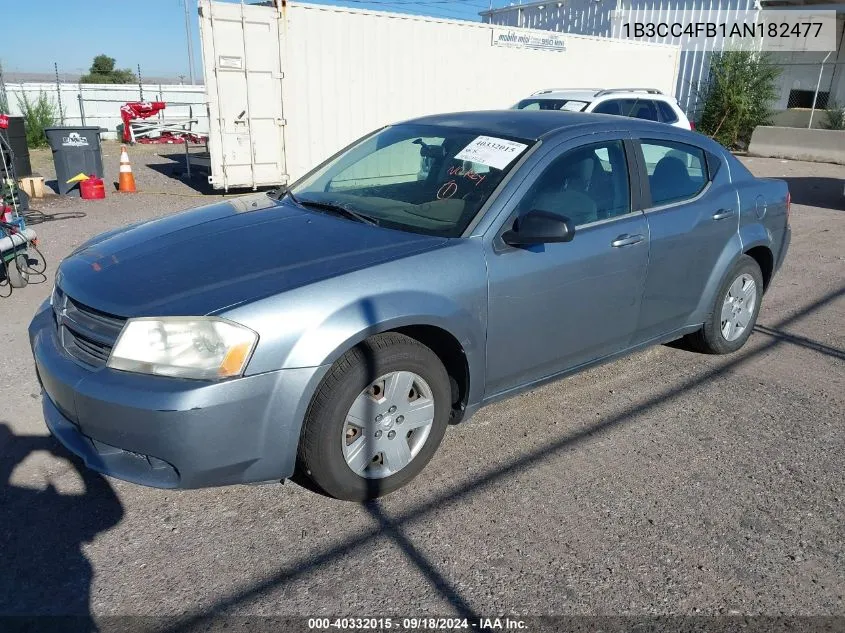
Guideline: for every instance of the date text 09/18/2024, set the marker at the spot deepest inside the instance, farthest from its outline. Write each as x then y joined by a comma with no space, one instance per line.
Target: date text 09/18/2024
415,624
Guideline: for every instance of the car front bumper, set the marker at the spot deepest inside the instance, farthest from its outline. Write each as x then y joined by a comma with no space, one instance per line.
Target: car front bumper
167,432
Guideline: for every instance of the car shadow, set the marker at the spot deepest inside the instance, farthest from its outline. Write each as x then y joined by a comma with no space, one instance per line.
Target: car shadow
825,193
391,525
46,577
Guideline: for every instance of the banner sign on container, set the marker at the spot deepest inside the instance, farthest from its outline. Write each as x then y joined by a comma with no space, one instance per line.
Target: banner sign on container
520,39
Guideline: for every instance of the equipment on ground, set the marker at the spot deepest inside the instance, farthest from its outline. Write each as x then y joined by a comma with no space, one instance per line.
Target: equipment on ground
144,122
18,244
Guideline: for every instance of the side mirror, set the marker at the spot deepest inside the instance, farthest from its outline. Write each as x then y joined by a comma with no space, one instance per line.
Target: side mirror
539,227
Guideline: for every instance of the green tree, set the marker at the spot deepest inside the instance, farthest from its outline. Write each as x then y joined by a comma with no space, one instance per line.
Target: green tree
738,96
102,71
38,114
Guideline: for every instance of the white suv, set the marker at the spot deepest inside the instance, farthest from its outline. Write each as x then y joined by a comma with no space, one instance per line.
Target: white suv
639,103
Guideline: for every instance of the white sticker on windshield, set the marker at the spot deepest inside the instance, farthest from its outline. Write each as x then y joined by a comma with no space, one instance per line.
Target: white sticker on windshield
491,151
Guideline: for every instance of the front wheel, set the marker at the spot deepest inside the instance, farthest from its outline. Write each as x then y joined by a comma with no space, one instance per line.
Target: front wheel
734,312
376,419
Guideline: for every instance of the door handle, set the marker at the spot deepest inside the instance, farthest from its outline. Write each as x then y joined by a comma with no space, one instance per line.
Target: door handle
626,240
721,214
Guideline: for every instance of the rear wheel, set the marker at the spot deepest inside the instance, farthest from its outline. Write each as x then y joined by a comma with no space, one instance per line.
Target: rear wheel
735,310
376,419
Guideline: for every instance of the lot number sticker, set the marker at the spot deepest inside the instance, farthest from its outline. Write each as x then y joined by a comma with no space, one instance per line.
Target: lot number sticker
491,151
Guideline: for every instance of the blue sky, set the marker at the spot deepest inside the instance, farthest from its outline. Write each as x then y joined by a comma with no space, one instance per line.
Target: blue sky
150,33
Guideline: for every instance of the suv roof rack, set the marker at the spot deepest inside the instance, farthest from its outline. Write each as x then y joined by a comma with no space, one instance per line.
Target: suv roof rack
548,90
651,91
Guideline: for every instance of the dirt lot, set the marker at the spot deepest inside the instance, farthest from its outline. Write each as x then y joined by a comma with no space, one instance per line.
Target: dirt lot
665,483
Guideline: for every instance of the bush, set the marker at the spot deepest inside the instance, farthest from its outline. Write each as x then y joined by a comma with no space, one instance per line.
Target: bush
103,72
38,115
737,98
834,117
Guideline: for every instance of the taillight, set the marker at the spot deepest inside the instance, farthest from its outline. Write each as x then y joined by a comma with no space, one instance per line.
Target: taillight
692,125
788,205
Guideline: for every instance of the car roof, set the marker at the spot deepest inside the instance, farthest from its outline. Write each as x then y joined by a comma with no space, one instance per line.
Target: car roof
591,94
526,124
541,124
576,94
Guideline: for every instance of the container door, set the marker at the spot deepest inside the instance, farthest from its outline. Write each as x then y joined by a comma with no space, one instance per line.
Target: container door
243,78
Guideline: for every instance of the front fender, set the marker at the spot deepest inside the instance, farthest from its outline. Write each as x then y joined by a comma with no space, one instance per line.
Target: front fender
324,342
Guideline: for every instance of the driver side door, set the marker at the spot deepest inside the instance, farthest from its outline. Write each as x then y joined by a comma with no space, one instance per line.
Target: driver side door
555,306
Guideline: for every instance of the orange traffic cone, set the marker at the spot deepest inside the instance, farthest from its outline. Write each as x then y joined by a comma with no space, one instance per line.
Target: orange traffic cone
126,182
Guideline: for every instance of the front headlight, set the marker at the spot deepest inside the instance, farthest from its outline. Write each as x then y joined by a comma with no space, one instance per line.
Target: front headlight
205,348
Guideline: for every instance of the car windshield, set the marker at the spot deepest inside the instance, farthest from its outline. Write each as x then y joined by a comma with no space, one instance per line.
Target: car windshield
419,178
570,105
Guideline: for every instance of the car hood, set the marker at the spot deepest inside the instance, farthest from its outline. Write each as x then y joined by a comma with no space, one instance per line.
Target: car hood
207,259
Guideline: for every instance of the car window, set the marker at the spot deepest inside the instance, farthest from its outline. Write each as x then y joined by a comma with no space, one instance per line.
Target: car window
586,184
427,179
612,106
397,163
570,105
667,113
635,108
643,109
676,171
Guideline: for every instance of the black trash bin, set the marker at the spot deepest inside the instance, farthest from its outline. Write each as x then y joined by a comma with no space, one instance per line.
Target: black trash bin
75,150
15,137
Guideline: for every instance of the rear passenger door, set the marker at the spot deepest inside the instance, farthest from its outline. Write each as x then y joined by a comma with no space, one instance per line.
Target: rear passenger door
691,209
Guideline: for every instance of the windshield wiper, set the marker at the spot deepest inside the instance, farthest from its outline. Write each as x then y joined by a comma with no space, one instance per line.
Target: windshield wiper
339,209
281,192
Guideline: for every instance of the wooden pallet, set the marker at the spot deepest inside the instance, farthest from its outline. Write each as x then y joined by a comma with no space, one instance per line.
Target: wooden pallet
33,186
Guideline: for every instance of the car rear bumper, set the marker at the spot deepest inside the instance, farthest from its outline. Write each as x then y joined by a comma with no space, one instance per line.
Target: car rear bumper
171,433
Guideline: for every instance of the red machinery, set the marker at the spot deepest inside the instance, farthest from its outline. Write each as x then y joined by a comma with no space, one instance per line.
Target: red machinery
143,122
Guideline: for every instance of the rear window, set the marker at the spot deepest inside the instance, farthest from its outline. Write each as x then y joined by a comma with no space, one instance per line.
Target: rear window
634,108
570,105
667,113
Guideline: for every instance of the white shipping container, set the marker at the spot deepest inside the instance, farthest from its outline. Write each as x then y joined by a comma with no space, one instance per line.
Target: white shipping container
288,87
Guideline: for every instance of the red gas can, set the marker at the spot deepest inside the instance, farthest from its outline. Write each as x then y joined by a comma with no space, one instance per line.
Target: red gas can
92,189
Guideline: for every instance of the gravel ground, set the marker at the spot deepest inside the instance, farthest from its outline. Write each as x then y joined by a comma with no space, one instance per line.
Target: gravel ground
665,483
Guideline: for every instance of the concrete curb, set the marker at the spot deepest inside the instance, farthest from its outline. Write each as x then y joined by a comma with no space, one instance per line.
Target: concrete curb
820,146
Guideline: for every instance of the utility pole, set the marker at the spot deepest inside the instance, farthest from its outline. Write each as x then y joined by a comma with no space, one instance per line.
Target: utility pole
190,41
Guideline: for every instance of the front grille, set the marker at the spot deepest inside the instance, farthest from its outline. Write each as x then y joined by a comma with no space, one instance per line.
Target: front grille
86,334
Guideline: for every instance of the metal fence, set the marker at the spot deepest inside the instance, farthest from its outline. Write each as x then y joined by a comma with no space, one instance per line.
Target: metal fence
99,104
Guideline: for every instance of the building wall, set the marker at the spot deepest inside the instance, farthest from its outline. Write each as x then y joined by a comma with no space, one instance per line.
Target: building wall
594,17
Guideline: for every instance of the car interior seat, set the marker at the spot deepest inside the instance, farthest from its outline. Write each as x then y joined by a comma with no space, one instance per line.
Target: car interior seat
644,110
670,180
611,107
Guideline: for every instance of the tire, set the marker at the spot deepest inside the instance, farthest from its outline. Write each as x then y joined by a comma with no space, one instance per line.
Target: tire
360,383
712,338
16,271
